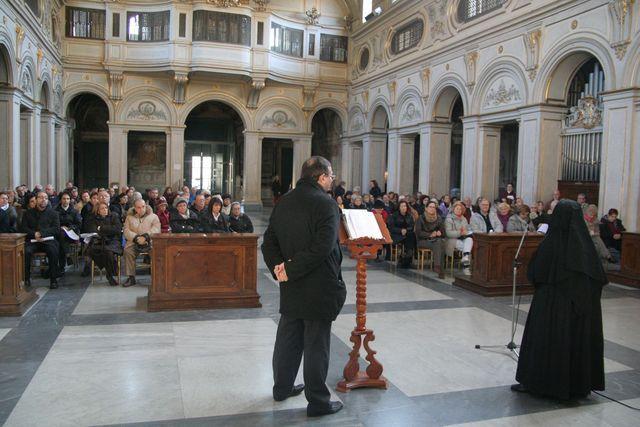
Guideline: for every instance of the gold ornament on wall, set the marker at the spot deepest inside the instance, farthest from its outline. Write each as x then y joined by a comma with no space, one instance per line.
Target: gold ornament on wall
574,24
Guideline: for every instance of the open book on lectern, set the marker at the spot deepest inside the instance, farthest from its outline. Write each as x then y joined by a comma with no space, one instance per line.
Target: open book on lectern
360,223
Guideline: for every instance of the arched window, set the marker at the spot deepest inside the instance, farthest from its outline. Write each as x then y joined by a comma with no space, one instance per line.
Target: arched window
34,5
470,9
407,36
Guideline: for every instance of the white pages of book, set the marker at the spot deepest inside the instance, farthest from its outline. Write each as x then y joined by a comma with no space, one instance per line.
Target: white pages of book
71,234
44,239
87,237
361,224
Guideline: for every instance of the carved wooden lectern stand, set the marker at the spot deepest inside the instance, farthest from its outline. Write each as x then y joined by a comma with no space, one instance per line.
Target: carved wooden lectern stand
362,250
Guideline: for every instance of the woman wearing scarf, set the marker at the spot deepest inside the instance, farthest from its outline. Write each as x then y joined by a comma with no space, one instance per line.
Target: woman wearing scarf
401,227
107,243
430,233
562,344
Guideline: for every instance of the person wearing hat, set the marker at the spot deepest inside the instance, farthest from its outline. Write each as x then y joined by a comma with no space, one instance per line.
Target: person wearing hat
214,221
182,219
163,214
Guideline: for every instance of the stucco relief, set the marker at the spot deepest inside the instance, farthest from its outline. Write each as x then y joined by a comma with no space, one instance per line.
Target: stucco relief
26,83
146,110
502,92
357,123
279,120
410,113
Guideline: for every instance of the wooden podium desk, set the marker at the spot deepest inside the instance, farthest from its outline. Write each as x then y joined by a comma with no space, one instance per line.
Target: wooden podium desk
492,263
192,271
14,298
629,273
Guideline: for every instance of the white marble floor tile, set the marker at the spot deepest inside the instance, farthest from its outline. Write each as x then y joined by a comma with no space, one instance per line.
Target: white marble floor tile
100,298
432,351
385,287
620,317
75,393
111,343
225,367
3,332
605,415
222,338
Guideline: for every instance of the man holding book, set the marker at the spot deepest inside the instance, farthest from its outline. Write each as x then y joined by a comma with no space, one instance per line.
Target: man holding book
41,225
302,251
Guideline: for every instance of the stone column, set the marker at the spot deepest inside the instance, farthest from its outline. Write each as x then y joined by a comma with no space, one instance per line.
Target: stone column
175,157
252,170
539,152
301,152
366,162
480,159
10,176
64,163
435,158
347,163
393,169
48,148
117,154
35,150
620,162
27,173
405,163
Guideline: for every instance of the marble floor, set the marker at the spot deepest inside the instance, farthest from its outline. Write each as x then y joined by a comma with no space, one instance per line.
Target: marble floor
88,355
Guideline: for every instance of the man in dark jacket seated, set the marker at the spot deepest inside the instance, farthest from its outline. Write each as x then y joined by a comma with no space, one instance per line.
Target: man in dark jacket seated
238,221
302,251
183,219
70,220
611,229
41,224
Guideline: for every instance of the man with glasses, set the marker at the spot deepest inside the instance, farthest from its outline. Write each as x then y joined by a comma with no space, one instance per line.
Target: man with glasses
302,251
42,225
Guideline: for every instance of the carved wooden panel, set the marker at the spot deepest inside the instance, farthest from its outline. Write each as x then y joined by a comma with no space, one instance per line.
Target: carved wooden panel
14,298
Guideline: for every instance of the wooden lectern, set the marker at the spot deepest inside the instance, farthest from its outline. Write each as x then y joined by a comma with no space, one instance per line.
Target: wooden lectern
361,250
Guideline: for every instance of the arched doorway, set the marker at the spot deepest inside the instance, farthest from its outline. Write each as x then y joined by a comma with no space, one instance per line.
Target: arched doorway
213,147
5,67
89,115
326,126
447,135
582,128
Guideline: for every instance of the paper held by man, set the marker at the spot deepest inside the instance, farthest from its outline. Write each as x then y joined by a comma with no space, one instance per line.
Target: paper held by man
360,223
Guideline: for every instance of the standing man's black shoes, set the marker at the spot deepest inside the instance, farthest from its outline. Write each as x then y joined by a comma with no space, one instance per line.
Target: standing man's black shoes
53,284
296,390
333,407
519,388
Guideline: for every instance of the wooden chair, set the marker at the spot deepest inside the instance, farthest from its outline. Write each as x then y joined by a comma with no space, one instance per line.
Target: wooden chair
396,251
75,252
143,264
94,268
424,254
449,261
39,258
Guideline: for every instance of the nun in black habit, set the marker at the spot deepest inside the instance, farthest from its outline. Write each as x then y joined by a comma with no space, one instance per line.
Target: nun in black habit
562,346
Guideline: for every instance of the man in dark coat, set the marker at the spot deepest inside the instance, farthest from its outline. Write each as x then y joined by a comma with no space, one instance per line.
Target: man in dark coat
238,221
562,344
70,220
301,249
41,223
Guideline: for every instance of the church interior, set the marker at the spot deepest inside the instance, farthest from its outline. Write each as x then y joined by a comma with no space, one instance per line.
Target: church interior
517,102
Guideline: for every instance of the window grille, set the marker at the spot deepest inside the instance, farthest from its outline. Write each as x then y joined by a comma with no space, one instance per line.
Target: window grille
221,27
287,41
407,36
333,48
470,9
85,23
148,26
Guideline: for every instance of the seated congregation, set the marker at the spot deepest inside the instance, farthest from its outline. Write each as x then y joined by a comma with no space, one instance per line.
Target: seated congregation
106,224
445,225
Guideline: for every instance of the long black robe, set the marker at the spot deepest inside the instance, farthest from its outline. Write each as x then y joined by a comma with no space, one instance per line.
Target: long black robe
562,346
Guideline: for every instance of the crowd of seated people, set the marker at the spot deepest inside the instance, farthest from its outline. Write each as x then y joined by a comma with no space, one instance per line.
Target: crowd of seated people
445,224
110,222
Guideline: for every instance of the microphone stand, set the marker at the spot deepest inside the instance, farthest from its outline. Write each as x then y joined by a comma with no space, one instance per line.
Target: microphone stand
511,345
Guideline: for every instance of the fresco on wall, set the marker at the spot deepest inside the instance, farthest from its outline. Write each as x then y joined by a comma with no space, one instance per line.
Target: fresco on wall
146,160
